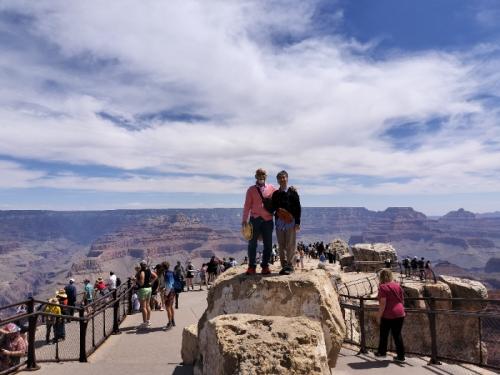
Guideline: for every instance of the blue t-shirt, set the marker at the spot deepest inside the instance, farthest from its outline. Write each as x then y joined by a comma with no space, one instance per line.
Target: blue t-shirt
89,292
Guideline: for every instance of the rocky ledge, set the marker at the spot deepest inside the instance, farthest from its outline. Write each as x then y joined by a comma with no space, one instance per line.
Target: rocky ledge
284,311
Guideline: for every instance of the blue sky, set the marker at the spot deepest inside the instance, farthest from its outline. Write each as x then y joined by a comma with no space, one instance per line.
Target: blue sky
128,104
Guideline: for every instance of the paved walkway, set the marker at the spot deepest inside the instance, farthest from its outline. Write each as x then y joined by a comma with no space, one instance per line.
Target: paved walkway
156,351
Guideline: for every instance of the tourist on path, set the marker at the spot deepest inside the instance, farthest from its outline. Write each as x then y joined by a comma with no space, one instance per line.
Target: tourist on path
286,202
112,281
178,282
70,290
169,293
88,292
391,314
190,271
51,308
259,211
144,278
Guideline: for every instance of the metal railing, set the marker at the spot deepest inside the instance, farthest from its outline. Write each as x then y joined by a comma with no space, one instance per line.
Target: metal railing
457,329
82,334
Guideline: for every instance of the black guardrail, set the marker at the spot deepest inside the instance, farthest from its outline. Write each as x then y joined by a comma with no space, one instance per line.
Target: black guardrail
465,330
84,333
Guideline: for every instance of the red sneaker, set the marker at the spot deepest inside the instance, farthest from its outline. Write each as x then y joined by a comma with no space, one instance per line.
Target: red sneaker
265,271
250,271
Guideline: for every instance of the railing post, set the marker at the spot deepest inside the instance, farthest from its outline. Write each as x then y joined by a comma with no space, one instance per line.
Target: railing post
31,362
362,349
83,335
116,307
480,341
432,326
130,294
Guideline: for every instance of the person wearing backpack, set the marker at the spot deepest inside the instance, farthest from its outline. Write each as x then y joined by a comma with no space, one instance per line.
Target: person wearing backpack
169,293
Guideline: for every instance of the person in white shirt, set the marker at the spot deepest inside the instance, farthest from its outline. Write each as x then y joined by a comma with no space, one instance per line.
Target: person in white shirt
112,281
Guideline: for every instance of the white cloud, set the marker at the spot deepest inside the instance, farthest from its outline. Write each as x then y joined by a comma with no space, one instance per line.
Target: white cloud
318,106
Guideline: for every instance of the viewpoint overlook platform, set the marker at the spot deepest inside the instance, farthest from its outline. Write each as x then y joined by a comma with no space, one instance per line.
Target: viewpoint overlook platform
158,351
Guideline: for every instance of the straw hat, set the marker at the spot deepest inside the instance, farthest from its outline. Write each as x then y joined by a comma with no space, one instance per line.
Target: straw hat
247,231
61,293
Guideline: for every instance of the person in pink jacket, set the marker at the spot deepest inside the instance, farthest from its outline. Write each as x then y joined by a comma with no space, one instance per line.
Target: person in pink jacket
259,211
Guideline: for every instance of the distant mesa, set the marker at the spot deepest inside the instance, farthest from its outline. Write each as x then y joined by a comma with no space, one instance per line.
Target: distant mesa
492,266
460,214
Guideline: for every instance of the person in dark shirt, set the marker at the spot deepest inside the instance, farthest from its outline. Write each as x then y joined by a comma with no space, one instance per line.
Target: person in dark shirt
70,290
286,202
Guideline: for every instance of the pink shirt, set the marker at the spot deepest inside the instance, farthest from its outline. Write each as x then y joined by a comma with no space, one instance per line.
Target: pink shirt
393,295
253,202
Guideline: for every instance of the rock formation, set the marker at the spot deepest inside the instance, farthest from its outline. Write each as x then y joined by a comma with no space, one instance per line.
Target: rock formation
456,334
190,349
371,257
282,300
256,344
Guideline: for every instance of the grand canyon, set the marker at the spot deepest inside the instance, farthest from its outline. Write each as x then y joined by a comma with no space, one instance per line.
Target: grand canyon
40,250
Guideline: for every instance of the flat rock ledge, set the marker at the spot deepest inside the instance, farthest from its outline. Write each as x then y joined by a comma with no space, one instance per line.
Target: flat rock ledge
253,344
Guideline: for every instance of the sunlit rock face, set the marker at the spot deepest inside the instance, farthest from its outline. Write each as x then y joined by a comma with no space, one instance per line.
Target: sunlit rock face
308,294
256,344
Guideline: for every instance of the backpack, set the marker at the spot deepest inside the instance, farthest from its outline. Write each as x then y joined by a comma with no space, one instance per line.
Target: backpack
169,280
118,282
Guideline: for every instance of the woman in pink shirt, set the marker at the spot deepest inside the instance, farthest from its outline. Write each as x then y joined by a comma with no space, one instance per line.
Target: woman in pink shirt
391,314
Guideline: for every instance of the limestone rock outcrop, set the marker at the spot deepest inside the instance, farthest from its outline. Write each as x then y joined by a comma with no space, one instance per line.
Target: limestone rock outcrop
468,289
308,294
455,333
255,344
189,349
374,252
340,246
370,257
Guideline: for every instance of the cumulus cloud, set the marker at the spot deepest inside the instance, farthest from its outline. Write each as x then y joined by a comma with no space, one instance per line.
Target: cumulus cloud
272,91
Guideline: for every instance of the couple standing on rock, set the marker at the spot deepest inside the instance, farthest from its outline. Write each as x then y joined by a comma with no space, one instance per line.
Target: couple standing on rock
262,201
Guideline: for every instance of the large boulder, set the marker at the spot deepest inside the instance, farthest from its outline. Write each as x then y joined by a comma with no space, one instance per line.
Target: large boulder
189,349
340,246
371,257
455,333
254,344
467,289
374,252
310,294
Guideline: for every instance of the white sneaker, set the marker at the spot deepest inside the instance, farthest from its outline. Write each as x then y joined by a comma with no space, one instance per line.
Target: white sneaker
148,323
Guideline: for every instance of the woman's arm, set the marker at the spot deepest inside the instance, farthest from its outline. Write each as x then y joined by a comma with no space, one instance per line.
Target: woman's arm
154,276
381,307
142,276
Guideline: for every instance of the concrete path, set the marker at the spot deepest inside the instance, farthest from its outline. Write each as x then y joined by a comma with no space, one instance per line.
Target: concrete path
156,351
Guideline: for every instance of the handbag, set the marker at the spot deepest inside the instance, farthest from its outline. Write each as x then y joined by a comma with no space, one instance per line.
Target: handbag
267,202
284,215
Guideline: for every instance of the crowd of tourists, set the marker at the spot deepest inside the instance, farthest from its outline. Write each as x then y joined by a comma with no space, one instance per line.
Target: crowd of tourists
415,267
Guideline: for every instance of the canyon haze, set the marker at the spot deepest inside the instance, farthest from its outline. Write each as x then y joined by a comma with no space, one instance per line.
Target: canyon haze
40,250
